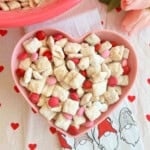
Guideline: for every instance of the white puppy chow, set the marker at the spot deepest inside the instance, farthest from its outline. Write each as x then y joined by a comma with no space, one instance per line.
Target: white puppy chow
48,90
123,80
99,88
47,112
116,69
36,86
42,100
92,113
111,96
92,39
78,120
105,46
60,92
62,42
103,107
62,122
126,53
116,53
86,99
43,64
77,81
69,81
99,77
60,72
70,106
28,75
72,48
84,63
87,50
25,64
32,45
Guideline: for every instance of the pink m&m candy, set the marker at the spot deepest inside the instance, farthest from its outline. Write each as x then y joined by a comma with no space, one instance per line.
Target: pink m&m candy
105,53
34,57
68,116
51,80
80,111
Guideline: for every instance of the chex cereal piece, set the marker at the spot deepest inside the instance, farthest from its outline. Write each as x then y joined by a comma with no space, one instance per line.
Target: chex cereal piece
32,45
57,52
105,46
48,90
92,39
86,99
105,68
72,48
116,53
93,70
4,6
126,53
98,77
123,80
78,120
42,101
92,113
80,91
111,96
87,50
84,63
71,65
28,75
36,86
43,64
96,60
62,42
99,88
60,92
117,89
70,106
77,81
62,122
47,112
37,75
69,76
100,106
116,68
25,64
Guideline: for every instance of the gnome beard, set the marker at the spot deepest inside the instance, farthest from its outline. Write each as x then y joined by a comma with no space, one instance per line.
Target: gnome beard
130,134
127,127
109,141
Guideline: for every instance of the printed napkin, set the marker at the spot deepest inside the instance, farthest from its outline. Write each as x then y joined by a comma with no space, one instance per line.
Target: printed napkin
117,132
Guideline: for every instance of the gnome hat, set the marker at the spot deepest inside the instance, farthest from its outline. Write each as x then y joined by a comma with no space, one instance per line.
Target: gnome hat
63,142
104,127
125,118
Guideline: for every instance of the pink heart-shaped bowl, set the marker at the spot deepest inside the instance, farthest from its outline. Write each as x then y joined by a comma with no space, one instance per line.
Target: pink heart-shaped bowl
104,35
47,10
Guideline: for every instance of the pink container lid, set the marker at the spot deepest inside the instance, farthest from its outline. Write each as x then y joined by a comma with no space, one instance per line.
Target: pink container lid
18,18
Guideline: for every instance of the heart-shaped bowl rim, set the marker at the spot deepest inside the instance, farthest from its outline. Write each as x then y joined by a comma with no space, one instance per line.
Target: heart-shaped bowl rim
47,10
104,35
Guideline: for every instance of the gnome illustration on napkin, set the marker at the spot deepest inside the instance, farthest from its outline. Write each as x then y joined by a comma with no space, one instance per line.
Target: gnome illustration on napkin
127,127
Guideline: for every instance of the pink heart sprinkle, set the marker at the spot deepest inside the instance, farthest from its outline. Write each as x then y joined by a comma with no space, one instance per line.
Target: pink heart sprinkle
105,54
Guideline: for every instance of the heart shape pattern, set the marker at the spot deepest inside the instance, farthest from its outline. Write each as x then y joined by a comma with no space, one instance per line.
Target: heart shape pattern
131,98
14,125
1,68
3,32
104,35
148,117
32,146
